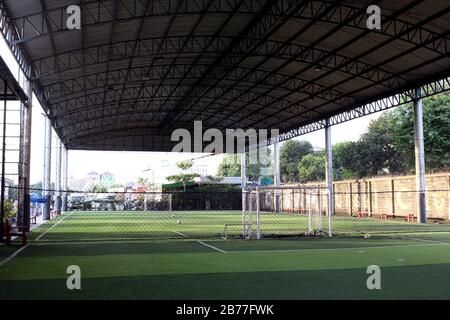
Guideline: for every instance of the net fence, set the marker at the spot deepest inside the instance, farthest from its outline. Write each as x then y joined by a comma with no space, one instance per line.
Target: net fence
302,211
262,212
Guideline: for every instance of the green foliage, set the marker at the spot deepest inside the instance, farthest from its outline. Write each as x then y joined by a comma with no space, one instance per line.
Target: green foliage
346,160
291,152
185,165
312,168
184,177
214,178
9,211
231,166
436,124
98,188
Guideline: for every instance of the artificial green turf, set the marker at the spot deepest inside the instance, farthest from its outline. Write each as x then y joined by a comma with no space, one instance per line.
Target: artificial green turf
415,262
189,270
79,225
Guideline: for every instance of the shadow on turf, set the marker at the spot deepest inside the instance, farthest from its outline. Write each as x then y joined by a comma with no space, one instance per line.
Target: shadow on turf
409,282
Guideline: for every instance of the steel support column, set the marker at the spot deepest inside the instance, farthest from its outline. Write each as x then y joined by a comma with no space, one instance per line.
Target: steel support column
58,176
243,184
276,174
65,187
420,158
47,168
23,214
329,177
2,205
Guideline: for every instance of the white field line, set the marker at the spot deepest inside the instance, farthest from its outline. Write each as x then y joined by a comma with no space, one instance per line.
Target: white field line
201,242
423,240
339,249
180,234
13,255
43,234
210,246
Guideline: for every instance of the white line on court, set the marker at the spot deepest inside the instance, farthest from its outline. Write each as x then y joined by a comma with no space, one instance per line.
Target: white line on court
13,255
201,242
180,234
43,234
339,249
424,240
210,246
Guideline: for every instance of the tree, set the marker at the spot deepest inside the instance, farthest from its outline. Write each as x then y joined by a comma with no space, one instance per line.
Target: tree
98,188
312,167
144,181
378,150
184,177
231,166
346,160
436,124
291,153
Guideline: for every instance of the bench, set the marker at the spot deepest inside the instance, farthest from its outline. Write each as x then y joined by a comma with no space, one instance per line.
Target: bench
16,232
53,214
383,216
362,214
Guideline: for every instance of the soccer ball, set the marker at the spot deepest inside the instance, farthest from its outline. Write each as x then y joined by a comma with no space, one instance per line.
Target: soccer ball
178,221
366,236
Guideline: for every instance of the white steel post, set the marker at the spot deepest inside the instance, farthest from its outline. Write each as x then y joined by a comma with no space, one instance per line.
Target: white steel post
276,174
420,158
258,219
47,168
65,182
58,176
329,176
243,184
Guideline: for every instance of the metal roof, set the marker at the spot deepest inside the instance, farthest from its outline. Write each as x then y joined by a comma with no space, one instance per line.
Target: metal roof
13,89
137,70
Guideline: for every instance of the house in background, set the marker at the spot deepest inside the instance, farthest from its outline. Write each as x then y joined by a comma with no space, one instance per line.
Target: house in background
93,178
107,179
8,184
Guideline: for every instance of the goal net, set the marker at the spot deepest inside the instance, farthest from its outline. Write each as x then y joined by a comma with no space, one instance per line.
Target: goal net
284,211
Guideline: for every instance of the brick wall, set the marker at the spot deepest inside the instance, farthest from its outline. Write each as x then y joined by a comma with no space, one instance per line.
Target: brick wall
390,195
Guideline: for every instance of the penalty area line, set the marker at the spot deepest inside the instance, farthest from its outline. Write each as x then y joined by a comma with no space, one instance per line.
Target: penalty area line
201,242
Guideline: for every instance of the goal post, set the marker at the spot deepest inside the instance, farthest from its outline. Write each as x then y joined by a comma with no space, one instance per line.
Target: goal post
283,211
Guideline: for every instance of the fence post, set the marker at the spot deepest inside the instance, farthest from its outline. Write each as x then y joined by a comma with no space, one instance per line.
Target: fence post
448,197
350,199
258,221
392,197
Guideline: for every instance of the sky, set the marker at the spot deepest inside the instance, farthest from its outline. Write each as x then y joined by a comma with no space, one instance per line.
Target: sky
128,166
